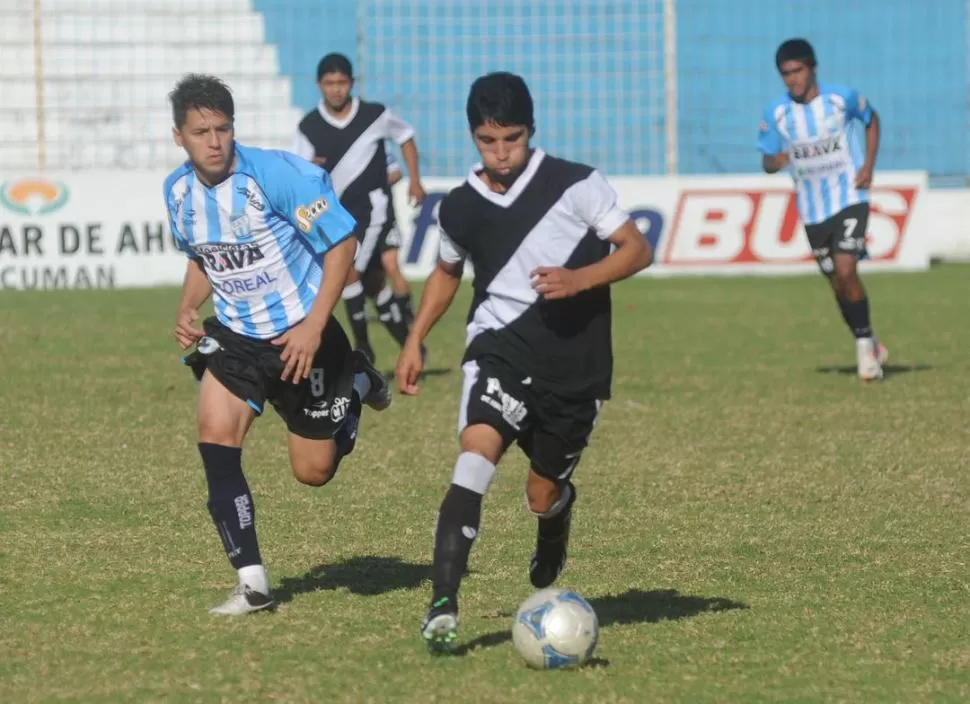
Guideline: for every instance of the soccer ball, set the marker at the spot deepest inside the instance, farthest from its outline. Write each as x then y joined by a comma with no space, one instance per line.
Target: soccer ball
555,628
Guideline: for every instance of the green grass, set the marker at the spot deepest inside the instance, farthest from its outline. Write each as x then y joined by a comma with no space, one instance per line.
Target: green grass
755,524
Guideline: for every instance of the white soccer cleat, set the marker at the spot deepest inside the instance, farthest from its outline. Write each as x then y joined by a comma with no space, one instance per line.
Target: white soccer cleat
244,600
868,356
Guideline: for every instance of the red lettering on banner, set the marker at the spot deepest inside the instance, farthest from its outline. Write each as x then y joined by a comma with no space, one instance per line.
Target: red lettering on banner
716,227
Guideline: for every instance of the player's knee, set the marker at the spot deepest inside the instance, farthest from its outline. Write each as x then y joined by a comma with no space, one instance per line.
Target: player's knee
216,432
315,471
545,498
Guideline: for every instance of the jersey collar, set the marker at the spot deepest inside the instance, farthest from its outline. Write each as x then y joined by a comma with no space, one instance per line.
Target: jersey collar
509,197
339,123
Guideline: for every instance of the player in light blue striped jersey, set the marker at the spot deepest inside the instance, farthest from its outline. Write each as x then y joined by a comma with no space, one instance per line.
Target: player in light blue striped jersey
267,238
828,137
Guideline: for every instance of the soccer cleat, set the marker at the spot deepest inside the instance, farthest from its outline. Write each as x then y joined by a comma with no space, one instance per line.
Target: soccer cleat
440,627
244,600
379,397
549,558
882,354
868,358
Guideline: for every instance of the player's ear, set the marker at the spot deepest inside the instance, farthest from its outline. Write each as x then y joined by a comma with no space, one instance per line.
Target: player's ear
177,136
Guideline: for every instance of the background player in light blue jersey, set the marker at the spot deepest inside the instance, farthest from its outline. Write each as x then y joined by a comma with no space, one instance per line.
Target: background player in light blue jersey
814,130
268,239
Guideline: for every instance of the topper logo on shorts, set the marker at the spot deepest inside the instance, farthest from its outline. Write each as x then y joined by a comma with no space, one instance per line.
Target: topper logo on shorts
306,214
762,227
33,196
513,410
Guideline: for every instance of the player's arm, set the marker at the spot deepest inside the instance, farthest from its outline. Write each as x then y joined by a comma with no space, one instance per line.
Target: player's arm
437,296
302,147
859,108
393,169
403,134
595,203
305,197
196,290
771,145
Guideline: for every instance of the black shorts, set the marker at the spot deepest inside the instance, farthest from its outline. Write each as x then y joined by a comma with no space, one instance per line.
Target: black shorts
376,230
843,233
552,431
315,408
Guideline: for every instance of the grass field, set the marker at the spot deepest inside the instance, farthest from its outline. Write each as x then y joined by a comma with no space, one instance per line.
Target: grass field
755,523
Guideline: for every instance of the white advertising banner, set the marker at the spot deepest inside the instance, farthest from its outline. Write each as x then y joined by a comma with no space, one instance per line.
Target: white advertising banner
109,229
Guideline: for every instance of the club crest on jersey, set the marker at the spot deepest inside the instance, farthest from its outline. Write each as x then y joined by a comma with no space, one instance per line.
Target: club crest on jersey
241,227
306,214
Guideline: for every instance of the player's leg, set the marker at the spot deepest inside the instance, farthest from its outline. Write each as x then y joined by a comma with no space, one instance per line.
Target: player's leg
399,285
487,428
322,412
838,260
554,446
229,399
356,304
389,312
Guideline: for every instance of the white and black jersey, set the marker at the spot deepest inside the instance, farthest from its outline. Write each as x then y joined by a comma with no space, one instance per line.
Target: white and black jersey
557,213
353,151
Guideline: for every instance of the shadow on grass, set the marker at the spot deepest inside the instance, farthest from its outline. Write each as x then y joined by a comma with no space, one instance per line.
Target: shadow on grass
633,606
888,369
367,576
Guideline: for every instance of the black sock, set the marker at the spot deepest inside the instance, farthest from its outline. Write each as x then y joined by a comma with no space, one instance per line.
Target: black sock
404,303
357,314
230,503
346,437
393,317
856,316
458,521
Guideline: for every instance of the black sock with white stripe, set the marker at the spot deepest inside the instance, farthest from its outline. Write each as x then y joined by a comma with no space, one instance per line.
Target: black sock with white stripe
404,303
356,304
231,504
390,313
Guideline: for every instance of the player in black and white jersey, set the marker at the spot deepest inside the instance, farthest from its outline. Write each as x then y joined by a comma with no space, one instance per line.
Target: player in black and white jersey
539,360
346,136
390,245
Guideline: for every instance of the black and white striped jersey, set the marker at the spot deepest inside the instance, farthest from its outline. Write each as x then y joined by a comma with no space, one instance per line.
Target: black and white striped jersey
352,149
559,214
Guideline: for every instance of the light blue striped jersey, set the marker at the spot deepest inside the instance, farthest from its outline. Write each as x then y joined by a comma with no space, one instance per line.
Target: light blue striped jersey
261,235
826,146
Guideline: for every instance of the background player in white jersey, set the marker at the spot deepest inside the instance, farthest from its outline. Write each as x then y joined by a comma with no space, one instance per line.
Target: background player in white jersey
539,359
346,136
268,239
813,129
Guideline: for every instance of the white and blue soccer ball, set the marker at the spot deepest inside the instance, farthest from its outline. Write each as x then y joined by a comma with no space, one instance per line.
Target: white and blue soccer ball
555,628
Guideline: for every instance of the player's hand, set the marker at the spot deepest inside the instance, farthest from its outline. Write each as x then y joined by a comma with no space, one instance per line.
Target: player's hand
185,332
782,160
319,160
409,367
863,177
553,282
300,345
416,192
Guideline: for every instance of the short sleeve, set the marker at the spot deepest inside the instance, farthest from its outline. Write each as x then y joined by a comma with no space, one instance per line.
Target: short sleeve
302,146
769,138
857,107
451,232
173,209
395,128
303,195
596,204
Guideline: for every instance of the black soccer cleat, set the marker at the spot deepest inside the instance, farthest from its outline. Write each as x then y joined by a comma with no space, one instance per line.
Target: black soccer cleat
379,397
440,627
549,558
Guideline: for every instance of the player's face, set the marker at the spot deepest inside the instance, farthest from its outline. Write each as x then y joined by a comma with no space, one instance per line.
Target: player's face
207,138
504,150
335,88
799,78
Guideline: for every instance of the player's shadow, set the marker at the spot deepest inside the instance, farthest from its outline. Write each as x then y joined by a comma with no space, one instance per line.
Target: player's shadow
632,606
888,369
367,576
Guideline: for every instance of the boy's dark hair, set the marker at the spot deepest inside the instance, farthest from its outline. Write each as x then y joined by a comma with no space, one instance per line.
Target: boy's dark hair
200,92
335,63
502,98
795,50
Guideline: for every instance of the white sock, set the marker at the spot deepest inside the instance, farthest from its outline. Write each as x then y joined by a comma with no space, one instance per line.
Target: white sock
254,577
361,385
